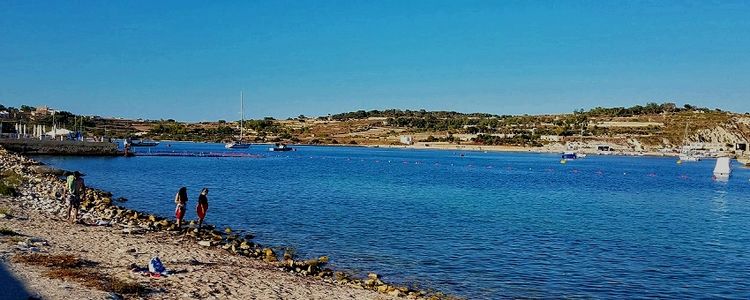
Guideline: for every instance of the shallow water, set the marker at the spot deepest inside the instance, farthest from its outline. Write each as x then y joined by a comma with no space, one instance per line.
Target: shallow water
485,225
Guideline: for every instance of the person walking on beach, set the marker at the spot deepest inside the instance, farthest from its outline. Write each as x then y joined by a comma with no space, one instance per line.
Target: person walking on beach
180,200
202,206
76,191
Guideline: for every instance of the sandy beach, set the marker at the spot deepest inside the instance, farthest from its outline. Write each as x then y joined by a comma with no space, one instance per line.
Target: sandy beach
35,234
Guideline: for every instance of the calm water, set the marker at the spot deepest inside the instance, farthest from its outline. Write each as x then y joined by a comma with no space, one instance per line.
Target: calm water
486,225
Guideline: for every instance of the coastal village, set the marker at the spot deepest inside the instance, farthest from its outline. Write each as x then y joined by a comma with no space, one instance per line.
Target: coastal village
652,129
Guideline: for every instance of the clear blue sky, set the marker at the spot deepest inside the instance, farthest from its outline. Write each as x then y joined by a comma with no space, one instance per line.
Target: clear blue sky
188,60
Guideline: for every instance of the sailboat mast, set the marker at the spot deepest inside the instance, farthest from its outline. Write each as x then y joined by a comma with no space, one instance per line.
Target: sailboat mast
242,112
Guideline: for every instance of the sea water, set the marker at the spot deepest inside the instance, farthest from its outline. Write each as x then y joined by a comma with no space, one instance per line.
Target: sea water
473,224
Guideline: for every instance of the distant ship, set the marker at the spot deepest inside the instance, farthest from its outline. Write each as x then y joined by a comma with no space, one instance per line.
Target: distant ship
239,144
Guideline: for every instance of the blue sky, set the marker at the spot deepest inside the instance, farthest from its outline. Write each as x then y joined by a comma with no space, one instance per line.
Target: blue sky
188,60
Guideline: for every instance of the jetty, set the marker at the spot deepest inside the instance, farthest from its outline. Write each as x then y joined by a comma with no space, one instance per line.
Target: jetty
31,146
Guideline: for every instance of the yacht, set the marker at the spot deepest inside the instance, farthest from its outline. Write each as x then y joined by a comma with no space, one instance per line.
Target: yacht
239,144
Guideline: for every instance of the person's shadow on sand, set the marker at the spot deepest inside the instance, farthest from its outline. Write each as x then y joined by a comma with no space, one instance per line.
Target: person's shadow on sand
10,287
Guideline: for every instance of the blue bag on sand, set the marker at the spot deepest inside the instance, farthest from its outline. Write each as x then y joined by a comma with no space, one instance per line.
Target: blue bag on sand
155,266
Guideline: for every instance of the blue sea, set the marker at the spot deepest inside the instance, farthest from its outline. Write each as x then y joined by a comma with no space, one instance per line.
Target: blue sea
472,224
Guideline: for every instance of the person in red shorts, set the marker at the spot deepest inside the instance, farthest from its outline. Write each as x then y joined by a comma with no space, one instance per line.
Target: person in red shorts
202,206
180,200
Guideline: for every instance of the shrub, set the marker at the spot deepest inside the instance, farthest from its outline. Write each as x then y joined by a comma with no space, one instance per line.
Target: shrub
7,190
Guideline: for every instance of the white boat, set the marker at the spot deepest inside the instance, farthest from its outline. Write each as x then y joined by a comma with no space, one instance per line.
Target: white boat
281,147
141,143
689,157
569,155
239,144
722,168
687,154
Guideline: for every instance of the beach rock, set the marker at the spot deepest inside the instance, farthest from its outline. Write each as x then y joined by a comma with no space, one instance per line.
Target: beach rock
341,277
373,279
396,293
269,255
205,243
245,245
35,241
47,170
134,230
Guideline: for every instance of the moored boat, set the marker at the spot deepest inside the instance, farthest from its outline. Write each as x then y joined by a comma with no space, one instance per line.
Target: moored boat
141,143
685,156
569,155
281,147
236,145
239,144
687,153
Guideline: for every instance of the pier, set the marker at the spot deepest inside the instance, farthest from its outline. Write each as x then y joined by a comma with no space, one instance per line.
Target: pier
59,147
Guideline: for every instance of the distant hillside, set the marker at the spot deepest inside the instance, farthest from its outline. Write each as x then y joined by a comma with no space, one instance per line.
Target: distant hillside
638,128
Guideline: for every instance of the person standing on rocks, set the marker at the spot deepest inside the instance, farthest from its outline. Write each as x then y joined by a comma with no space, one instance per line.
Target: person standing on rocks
180,200
202,206
76,191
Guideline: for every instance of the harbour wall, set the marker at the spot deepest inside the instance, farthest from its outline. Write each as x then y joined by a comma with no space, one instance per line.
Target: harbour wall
56,147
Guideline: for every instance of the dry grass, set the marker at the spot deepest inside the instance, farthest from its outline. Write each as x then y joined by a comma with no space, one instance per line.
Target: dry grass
11,178
54,261
99,281
6,211
72,268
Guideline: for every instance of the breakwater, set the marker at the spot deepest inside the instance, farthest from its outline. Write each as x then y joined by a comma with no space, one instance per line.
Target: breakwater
42,191
55,147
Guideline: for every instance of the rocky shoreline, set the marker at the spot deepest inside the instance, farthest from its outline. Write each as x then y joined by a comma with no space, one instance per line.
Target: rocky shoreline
40,188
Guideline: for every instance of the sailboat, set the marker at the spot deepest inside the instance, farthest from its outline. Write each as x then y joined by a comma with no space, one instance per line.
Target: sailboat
686,154
240,144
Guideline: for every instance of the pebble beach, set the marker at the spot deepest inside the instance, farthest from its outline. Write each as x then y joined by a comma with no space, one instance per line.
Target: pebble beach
49,258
